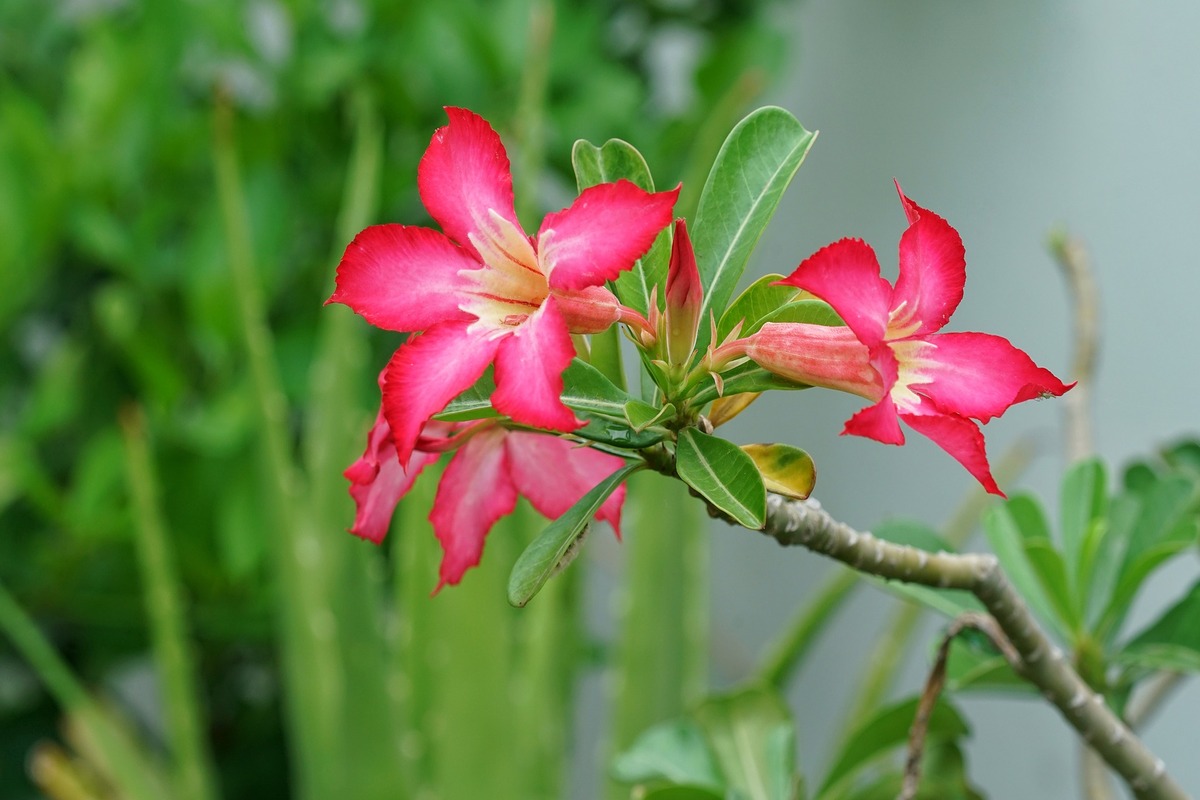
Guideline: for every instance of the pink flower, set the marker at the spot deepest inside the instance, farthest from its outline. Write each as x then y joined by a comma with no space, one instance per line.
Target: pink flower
890,351
483,292
490,468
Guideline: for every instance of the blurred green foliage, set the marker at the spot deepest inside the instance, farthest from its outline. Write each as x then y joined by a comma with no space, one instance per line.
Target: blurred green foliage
116,287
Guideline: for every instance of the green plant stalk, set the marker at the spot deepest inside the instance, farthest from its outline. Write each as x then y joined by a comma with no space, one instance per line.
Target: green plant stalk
335,431
529,122
174,655
661,658
312,676
138,777
789,652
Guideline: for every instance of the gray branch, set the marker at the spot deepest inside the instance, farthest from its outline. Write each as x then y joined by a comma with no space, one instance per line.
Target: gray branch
806,524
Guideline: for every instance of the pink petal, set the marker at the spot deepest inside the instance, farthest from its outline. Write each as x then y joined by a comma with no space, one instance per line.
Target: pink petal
529,367
377,482
685,295
554,473
402,278
845,274
463,176
475,492
608,228
933,271
980,375
879,422
961,438
427,372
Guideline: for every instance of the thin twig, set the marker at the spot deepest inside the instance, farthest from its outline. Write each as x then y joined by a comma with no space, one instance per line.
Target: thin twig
1081,283
933,690
806,524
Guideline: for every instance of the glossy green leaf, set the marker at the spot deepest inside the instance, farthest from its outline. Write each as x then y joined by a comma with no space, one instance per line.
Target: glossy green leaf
616,160
811,311
785,470
752,735
755,165
943,777
753,306
885,731
978,666
1171,642
545,555
605,355
474,403
643,415
723,475
743,379
673,751
1046,561
602,405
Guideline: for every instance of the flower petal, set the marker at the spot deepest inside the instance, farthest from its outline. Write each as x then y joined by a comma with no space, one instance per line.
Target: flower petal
529,367
933,271
979,375
879,422
402,278
608,228
464,176
845,274
554,473
961,438
377,482
427,372
475,491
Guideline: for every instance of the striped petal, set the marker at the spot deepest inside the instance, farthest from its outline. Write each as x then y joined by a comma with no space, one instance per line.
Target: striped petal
377,482
529,367
845,274
402,278
980,375
475,491
553,473
933,271
962,439
604,232
427,372
464,176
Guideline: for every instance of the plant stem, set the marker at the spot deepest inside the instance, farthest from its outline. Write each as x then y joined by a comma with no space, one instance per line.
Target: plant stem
173,654
806,524
1081,283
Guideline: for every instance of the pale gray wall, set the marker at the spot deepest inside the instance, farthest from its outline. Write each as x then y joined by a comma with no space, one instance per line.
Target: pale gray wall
1004,117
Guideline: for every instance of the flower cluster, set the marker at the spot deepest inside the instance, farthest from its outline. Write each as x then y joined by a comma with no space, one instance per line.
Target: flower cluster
482,293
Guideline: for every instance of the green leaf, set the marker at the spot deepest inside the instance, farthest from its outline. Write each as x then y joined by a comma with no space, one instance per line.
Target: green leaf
785,470
883,732
743,379
643,415
1171,642
723,475
1165,526
543,557
672,751
755,165
978,666
474,403
943,777
1044,558
752,735
602,404
1084,501
814,312
681,792
605,355
613,161
752,306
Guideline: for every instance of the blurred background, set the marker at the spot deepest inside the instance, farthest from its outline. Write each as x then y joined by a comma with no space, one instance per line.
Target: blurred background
177,181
